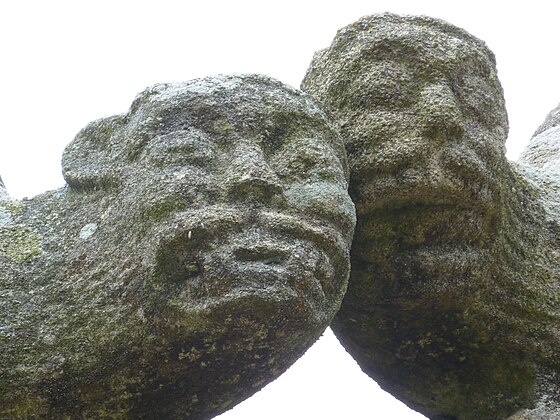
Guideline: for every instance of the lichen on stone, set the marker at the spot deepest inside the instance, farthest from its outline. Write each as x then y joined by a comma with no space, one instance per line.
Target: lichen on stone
453,293
13,207
187,263
19,243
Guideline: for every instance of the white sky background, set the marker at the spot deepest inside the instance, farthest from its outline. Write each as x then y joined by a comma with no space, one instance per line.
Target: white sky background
66,63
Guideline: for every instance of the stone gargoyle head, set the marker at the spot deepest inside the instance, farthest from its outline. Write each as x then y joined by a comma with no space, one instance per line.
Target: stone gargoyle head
452,304
200,247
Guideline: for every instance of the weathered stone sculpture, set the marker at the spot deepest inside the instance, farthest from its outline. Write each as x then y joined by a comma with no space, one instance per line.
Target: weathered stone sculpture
543,150
200,247
453,303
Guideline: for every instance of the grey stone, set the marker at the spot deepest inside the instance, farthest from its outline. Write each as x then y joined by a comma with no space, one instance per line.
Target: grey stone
454,293
551,120
200,247
5,216
3,193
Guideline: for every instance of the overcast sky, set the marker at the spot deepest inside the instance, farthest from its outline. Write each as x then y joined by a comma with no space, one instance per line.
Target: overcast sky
66,63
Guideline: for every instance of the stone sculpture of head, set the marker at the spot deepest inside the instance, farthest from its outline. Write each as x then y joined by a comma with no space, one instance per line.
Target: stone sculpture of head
421,109
449,232
204,244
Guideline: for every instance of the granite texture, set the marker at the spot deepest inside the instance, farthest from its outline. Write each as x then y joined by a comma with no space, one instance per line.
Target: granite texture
453,302
201,245
552,120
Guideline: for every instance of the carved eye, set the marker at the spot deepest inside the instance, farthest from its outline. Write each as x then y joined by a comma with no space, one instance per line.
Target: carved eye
385,84
276,130
308,160
477,96
183,147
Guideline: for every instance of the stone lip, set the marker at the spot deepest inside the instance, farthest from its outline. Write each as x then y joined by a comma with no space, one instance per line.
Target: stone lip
280,248
414,189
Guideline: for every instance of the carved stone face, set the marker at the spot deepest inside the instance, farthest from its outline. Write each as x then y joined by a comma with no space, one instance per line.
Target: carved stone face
422,115
260,207
230,197
421,130
423,118
246,183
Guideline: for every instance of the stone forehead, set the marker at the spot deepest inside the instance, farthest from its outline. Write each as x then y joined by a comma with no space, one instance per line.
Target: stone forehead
382,49
441,39
224,106
238,93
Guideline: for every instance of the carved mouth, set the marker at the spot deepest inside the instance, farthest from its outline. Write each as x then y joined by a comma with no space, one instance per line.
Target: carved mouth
423,217
270,254
270,262
392,192
211,222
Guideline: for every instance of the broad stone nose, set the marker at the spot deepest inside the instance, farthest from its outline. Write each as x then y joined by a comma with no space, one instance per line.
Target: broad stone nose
440,113
250,177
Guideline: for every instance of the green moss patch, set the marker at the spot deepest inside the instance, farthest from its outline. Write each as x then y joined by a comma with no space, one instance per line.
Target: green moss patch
19,243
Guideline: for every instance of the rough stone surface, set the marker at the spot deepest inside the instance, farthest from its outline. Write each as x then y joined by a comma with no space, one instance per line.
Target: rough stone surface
453,303
200,247
551,120
3,192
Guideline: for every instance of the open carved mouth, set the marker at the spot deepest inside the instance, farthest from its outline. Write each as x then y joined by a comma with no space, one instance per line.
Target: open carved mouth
408,215
273,255
384,191
261,254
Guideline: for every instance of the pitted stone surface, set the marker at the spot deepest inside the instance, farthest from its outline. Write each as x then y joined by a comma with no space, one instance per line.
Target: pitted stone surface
200,247
3,193
454,291
552,120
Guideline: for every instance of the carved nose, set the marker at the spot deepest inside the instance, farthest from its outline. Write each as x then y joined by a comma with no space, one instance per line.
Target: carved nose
440,113
250,177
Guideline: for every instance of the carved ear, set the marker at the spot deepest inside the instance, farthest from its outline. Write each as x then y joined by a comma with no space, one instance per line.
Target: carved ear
91,160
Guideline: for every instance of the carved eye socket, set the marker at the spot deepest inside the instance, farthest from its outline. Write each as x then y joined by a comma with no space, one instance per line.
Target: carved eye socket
383,93
308,160
478,99
184,147
277,130
384,84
